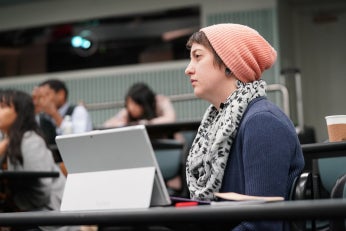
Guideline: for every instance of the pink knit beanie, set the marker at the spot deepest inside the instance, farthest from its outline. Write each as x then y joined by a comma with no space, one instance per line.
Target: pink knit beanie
243,50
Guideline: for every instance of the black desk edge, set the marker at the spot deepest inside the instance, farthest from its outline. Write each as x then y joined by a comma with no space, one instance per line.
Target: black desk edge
27,174
177,126
320,149
288,210
315,151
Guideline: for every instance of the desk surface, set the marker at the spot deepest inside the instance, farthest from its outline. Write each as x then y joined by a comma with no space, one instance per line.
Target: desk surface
315,151
167,129
324,150
288,210
27,174
173,127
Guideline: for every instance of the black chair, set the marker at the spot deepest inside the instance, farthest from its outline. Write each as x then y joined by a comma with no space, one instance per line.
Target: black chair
326,162
301,190
302,187
329,170
169,155
339,191
326,173
169,159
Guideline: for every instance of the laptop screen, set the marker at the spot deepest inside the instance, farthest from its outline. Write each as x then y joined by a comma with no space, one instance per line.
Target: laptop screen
112,149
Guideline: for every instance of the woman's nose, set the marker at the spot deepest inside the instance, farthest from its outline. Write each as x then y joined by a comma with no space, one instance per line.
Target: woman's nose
188,70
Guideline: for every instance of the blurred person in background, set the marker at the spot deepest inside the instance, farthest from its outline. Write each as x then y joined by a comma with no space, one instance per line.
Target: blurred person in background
24,149
56,116
50,99
143,106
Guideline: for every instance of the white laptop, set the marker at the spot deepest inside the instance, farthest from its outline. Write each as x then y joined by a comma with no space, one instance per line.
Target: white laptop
111,169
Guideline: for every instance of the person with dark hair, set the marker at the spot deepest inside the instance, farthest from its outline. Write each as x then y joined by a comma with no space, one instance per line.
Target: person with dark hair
245,144
143,106
24,149
50,99
56,116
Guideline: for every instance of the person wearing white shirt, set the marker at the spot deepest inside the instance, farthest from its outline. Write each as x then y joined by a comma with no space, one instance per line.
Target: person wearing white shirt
56,116
80,118
51,101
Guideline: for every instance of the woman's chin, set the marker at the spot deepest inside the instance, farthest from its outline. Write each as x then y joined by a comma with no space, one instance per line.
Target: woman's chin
197,93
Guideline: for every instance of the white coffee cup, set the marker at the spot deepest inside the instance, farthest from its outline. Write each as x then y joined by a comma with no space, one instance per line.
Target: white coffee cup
336,125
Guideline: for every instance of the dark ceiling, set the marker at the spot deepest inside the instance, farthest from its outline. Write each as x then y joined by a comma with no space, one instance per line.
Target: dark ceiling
16,2
114,40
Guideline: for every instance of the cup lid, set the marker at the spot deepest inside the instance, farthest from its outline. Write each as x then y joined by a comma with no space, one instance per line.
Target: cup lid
336,119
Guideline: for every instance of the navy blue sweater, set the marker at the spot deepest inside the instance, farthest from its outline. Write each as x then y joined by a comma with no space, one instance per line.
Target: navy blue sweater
264,159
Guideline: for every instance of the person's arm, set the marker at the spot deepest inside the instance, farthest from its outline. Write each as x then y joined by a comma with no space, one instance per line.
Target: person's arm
268,149
36,157
269,146
57,118
119,120
165,110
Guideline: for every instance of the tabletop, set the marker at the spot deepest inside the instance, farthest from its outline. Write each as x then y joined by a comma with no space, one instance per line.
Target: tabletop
232,212
27,174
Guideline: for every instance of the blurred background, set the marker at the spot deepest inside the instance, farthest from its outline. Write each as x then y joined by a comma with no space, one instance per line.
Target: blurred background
101,47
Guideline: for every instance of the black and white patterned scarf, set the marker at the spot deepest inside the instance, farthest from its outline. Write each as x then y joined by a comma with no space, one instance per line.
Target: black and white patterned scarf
210,149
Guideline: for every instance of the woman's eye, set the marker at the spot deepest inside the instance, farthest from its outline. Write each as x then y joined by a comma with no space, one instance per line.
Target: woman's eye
197,56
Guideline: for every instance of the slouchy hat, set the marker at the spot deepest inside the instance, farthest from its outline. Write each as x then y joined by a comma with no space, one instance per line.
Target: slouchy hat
243,50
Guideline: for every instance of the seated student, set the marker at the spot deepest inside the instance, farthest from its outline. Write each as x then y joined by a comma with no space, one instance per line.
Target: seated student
24,149
143,106
55,115
245,144
50,99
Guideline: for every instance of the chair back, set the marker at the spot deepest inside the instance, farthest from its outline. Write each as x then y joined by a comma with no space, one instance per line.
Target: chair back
339,191
330,169
301,187
301,190
169,162
169,155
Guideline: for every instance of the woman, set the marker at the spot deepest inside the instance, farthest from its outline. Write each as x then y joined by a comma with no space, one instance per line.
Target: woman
143,106
24,149
245,144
